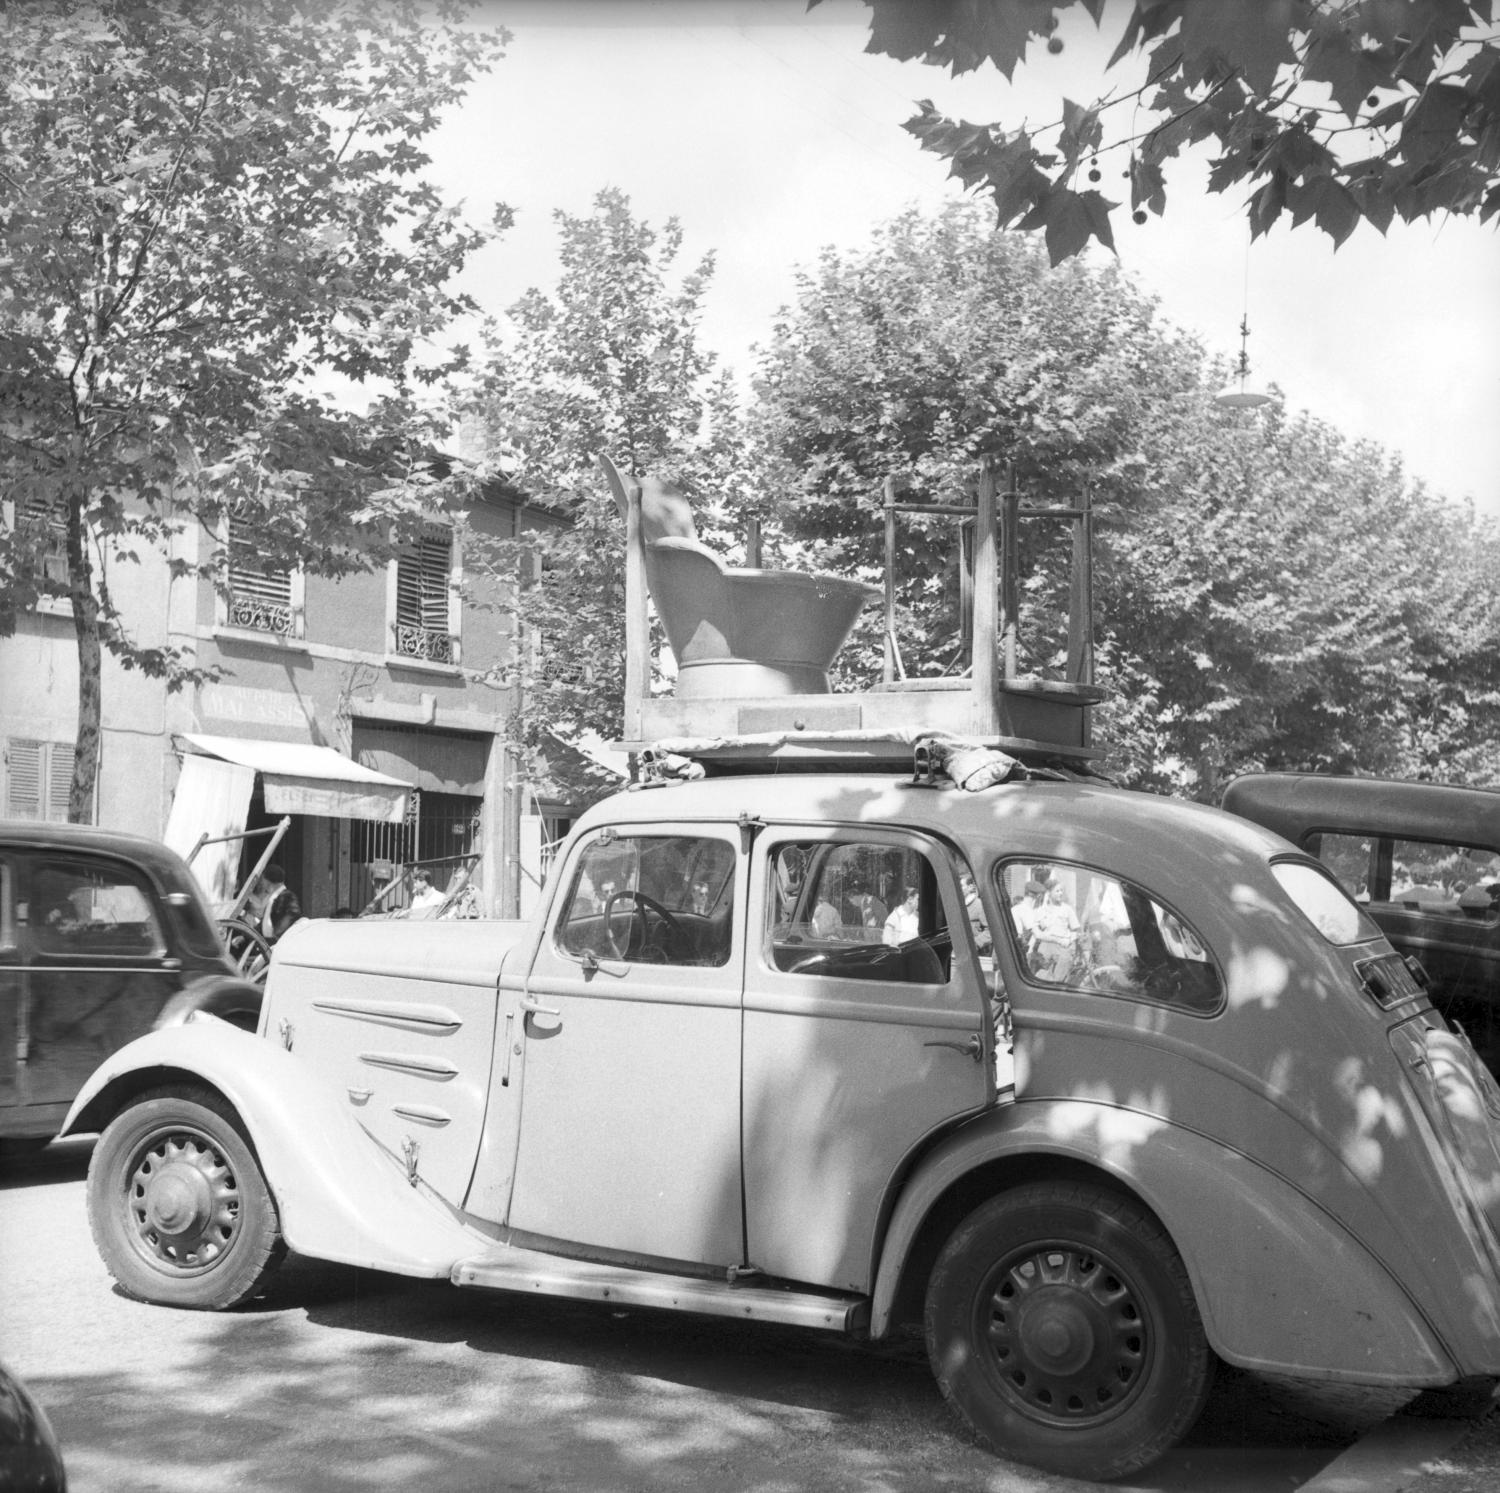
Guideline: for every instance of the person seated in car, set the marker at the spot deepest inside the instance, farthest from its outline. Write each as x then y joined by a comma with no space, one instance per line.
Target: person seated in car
902,925
826,922
872,911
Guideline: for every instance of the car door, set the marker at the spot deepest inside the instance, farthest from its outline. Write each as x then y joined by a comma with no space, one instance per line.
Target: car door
861,1041
630,1030
97,970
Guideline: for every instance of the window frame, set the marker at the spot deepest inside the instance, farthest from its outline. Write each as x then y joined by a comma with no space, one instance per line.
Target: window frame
54,781
724,907
945,885
47,605
1380,878
121,873
1159,906
227,608
413,644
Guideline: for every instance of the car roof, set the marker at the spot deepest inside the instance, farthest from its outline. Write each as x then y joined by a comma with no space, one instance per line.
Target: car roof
1292,803
38,835
1034,817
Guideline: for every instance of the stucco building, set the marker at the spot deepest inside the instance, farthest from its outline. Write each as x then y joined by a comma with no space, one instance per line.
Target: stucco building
401,672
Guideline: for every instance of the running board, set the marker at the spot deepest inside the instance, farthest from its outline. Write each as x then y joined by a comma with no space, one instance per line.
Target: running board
510,1268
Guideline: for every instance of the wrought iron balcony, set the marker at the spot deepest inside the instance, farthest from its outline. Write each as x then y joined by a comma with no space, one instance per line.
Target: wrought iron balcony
431,645
257,614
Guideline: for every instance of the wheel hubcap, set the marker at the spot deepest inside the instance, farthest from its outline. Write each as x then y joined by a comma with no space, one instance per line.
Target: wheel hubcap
183,1201
1066,1332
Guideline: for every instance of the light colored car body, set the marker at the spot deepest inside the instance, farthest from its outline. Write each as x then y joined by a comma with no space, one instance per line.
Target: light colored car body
764,1131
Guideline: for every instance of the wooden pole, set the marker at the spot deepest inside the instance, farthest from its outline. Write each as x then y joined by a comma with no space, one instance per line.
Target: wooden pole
889,674
1081,596
986,600
637,630
1010,572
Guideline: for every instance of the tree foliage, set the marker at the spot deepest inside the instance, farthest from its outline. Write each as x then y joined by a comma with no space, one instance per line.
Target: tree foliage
1334,111
209,211
1268,593
609,363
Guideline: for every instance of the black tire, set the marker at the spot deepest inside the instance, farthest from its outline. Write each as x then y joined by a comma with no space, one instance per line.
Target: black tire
177,1204
1061,1327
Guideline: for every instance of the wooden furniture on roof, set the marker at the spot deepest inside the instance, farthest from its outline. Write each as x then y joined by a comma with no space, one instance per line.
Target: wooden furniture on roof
736,720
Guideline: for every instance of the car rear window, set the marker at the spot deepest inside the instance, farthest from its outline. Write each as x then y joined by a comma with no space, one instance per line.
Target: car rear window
1324,903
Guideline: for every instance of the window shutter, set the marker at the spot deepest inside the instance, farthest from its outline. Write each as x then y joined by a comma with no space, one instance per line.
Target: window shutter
50,523
23,780
38,777
260,598
422,582
60,759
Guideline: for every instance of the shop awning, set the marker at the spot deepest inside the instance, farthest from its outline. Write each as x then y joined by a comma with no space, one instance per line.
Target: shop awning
298,778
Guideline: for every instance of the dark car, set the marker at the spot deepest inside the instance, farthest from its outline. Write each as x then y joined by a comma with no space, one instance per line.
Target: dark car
30,1460
103,937
1425,860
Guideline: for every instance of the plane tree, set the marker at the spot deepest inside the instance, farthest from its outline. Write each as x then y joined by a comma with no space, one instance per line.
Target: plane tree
1269,593
215,229
609,362
1334,112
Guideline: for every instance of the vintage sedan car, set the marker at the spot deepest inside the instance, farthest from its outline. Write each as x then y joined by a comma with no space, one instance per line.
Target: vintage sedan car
1116,1087
102,937
1424,861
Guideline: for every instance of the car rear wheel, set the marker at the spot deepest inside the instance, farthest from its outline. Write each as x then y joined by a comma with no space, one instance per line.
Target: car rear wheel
177,1204
1062,1328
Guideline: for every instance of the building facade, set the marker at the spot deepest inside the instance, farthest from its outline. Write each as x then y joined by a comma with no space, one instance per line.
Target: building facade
403,671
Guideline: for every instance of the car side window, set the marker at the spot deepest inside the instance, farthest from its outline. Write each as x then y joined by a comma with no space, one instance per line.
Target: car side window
1087,930
857,910
1454,881
1432,877
91,911
1350,858
651,899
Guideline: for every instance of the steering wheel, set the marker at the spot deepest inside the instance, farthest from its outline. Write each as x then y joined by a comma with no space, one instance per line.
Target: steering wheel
642,904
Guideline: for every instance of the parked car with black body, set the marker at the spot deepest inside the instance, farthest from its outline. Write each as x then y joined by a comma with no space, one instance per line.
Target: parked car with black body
1424,861
103,937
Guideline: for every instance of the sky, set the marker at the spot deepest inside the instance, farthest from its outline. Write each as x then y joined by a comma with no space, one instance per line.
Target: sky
769,133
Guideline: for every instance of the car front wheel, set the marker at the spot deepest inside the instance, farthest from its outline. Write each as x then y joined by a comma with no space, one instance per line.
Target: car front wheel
177,1204
1062,1328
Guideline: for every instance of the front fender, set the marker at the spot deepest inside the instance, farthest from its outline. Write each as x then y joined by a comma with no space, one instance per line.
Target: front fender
1280,1284
340,1196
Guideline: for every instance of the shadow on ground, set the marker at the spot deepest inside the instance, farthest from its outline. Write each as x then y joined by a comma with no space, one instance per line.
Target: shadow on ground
340,1379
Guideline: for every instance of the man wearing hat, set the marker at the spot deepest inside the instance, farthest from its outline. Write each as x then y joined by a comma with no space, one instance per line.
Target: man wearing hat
281,908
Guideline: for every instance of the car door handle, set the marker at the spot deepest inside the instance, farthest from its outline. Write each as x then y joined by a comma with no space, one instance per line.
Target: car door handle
974,1047
534,1007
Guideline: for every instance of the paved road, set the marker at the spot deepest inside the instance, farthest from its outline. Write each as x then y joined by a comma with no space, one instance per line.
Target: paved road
339,1380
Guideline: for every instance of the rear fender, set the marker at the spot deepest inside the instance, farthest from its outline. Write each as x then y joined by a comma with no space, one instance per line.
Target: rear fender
1280,1285
339,1195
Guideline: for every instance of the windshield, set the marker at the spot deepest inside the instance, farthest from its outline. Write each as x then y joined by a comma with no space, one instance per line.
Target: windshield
1324,903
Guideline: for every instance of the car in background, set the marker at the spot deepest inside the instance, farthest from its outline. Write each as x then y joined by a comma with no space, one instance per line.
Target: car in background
30,1459
103,937
1422,858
